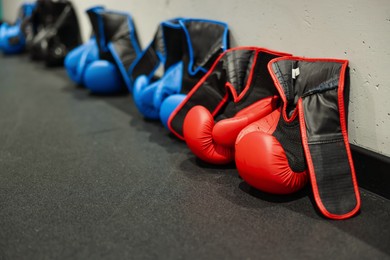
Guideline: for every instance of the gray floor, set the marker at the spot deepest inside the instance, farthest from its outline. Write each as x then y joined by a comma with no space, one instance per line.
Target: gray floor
85,177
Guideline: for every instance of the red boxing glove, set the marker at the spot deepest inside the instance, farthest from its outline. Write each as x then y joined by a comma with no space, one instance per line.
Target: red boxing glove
236,91
308,136
264,163
214,142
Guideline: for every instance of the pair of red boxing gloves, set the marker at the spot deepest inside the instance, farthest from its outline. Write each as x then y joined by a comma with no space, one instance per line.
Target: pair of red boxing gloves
281,118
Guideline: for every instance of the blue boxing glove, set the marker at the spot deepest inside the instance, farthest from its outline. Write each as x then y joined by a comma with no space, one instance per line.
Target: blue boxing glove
149,97
168,106
2,32
102,77
118,48
79,58
3,28
143,96
12,39
170,84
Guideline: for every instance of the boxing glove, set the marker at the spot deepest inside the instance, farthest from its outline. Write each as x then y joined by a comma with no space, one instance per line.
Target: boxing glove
77,60
168,106
308,136
269,155
118,49
13,40
234,93
143,94
148,97
214,142
186,59
102,77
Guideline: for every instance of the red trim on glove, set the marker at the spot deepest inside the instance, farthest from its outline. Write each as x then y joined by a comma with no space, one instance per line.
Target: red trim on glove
228,85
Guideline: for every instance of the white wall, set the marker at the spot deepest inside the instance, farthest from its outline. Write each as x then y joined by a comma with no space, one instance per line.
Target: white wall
357,30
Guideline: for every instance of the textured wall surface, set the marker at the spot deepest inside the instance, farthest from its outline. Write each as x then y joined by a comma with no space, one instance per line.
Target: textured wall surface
357,30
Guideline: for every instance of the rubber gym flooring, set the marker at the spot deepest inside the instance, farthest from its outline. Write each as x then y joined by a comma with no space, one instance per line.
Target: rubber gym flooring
86,177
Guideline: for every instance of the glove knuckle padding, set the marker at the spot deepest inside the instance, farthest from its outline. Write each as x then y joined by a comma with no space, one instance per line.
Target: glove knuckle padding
269,155
71,62
143,95
77,60
198,126
267,124
158,95
226,131
168,106
312,91
102,77
170,84
235,92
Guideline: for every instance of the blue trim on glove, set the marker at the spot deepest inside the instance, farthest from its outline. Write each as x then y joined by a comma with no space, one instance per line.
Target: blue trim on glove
191,52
